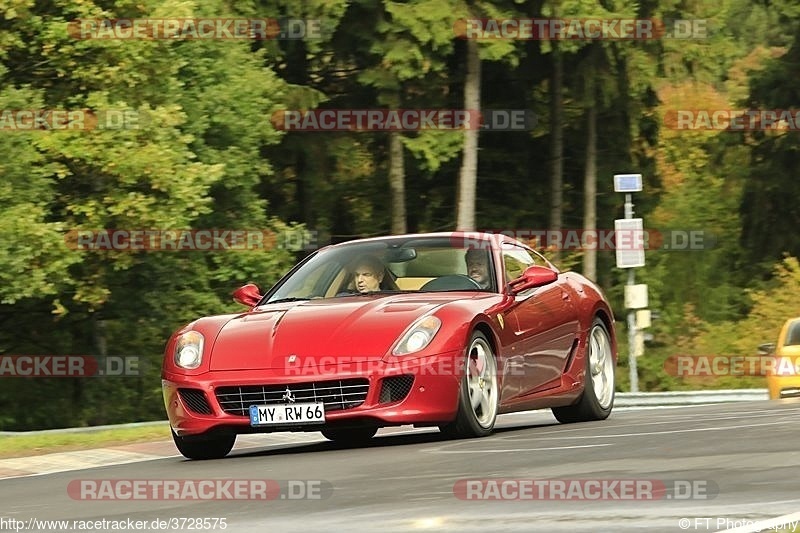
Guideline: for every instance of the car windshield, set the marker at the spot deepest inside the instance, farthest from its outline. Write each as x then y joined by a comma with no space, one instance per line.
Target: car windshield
389,266
793,335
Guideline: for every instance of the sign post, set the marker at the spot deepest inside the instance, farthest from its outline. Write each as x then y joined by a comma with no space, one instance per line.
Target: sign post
629,246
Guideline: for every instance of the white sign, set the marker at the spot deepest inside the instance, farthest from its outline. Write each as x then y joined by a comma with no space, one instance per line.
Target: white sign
629,239
636,296
638,344
627,182
643,319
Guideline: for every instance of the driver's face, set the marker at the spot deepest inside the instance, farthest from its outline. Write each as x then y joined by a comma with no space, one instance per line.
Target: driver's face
367,280
478,269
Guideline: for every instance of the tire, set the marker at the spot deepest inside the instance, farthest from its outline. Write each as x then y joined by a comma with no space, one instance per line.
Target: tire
202,447
479,393
597,398
350,436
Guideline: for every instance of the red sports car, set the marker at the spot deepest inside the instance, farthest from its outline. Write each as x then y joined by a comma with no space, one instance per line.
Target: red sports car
443,329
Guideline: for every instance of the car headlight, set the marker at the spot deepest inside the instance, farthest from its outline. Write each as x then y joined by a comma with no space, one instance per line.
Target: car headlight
418,336
189,350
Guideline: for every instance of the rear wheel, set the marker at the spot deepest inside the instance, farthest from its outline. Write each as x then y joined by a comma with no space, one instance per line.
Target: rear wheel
350,436
478,398
597,399
203,447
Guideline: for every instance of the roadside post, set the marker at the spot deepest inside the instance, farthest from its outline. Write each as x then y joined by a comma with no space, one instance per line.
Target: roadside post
629,247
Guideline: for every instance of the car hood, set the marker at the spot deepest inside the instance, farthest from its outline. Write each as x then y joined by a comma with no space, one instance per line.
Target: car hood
318,332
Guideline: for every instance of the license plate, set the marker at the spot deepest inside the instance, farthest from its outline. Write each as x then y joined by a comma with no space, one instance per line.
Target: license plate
290,413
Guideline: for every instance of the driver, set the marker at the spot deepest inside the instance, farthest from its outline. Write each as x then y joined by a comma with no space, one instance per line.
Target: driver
369,274
478,267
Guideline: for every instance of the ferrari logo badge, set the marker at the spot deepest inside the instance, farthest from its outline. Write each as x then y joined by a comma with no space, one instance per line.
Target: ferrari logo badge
500,320
288,396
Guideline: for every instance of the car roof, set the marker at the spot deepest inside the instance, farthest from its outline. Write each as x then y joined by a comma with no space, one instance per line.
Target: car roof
495,238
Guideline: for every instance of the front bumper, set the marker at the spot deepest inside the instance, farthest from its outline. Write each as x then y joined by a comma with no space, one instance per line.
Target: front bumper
783,386
431,399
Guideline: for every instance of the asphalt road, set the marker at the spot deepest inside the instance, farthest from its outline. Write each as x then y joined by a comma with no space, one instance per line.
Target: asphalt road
718,466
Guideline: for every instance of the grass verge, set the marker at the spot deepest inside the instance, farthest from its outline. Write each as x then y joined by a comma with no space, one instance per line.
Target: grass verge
41,443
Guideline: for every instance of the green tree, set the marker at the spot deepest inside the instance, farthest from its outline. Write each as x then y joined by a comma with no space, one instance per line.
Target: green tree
188,163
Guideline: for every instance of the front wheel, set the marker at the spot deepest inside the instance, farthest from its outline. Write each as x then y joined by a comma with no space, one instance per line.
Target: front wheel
597,399
478,398
202,447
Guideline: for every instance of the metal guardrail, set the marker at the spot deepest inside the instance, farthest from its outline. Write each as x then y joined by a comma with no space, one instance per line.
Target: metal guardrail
655,399
622,399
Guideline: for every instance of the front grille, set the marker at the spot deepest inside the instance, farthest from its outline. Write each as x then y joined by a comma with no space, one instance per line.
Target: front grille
337,395
195,400
395,388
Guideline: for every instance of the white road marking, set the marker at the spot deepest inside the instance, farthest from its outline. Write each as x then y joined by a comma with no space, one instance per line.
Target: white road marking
666,432
435,450
541,431
671,420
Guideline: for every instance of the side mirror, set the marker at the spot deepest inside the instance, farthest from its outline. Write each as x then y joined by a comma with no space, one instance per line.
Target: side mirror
248,295
767,348
534,276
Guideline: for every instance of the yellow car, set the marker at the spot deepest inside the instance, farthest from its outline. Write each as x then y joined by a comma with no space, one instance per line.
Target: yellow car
783,379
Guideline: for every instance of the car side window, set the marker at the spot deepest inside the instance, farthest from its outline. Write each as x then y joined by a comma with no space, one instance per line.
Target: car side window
793,336
515,261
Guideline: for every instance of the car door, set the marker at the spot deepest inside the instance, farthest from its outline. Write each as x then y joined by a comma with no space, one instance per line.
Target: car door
546,324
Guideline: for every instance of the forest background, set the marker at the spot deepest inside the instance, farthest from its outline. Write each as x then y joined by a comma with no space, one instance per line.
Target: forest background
209,155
